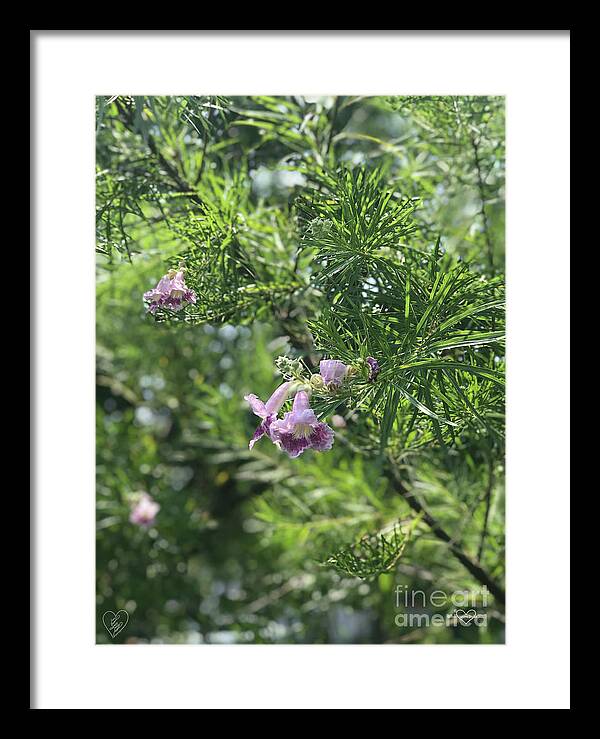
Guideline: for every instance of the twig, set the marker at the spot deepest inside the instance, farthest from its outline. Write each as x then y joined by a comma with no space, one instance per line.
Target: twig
488,504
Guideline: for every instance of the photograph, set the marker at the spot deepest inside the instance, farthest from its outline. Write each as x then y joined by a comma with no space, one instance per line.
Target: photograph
300,369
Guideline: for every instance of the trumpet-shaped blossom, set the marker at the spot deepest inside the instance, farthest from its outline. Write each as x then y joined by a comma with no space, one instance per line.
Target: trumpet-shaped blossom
332,371
171,292
300,429
144,511
267,411
374,368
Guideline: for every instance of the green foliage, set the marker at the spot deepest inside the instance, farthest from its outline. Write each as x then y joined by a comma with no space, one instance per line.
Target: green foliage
334,227
372,555
435,326
451,127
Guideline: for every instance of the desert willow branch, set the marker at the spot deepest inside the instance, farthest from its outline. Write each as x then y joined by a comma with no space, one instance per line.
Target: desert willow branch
478,572
468,563
126,117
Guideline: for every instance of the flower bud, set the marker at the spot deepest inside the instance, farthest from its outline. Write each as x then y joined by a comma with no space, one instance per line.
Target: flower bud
317,382
374,368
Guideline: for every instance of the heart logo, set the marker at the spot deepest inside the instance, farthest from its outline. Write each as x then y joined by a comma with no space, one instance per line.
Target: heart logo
466,617
114,623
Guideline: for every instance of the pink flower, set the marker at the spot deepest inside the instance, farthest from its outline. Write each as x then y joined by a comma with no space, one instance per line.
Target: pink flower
332,371
171,292
144,511
267,411
300,429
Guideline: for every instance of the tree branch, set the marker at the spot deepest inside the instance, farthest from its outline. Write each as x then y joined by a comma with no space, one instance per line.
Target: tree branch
440,533
488,505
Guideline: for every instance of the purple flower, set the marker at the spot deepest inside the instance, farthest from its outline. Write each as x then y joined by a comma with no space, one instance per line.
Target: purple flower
374,368
267,411
144,512
299,429
171,292
332,371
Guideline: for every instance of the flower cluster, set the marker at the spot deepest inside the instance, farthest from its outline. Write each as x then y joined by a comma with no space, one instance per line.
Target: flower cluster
144,511
299,429
171,292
